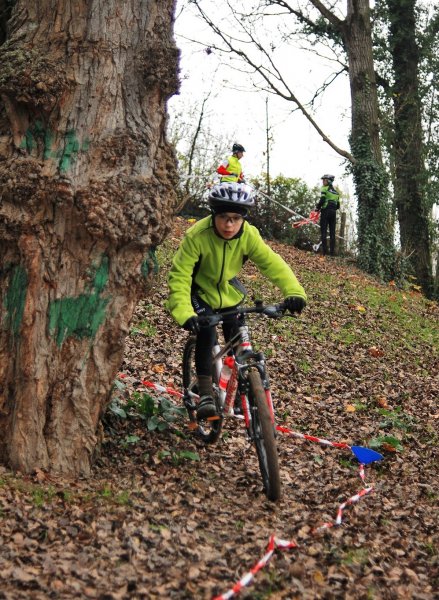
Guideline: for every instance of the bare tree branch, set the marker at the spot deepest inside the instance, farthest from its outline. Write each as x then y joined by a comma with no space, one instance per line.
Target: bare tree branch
272,77
329,15
194,140
337,23
325,85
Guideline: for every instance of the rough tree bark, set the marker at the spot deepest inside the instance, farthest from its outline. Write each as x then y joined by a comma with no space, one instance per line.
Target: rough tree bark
86,189
408,143
376,253
357,36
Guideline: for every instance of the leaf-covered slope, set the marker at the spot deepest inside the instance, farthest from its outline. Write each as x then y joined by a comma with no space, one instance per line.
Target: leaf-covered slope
166,517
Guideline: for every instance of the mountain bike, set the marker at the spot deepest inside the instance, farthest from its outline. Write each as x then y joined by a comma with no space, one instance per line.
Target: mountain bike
247,386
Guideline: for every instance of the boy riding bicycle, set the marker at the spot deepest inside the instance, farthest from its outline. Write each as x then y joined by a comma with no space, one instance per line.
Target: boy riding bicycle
202,279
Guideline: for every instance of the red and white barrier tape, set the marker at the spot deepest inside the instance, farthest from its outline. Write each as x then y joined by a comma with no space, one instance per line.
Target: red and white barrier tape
156,386
273,544
311,438
341,508
276,543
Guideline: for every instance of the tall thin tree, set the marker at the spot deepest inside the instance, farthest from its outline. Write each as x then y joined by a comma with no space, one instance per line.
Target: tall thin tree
408,143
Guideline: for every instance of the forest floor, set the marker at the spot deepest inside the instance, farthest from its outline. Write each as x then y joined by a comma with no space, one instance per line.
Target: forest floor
164,516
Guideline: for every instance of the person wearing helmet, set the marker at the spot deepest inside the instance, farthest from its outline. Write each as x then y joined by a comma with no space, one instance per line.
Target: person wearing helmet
327,206
203,276
230,169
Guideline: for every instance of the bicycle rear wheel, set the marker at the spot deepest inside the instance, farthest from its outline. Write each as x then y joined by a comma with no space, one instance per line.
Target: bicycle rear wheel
263,436
208,431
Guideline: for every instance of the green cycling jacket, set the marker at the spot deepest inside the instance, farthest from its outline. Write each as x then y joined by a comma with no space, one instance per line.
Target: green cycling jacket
329,198
207,263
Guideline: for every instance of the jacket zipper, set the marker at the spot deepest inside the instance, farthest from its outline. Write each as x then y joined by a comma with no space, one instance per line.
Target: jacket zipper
221,276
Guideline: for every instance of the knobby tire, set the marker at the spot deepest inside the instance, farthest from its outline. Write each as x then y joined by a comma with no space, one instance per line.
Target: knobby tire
264,437
208,431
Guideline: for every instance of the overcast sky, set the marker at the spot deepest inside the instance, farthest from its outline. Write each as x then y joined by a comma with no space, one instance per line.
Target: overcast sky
296,150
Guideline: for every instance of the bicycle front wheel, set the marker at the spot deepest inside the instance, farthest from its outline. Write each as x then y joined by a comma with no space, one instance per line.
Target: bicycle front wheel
208,431
263,436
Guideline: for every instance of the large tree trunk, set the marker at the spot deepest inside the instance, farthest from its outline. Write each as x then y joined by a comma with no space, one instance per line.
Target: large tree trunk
357,36
408,147
86,187
375,234
376,253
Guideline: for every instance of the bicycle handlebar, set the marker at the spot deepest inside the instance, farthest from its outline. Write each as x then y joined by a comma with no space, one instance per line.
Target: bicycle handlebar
273,311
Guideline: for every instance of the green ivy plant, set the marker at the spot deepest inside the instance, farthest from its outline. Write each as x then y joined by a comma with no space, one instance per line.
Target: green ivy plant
376,250
159,413
178,456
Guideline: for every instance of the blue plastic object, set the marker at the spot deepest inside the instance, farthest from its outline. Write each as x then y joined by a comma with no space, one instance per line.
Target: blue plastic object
366,455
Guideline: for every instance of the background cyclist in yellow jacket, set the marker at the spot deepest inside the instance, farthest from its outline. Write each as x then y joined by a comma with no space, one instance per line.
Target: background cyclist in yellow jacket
202,279
328,205
230,169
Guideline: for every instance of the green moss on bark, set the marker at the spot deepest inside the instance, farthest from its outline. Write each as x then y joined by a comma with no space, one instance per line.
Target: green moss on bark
81,316
15,299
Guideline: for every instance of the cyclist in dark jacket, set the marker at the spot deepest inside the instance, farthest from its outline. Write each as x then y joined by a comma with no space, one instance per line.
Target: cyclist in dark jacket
328,205
202,279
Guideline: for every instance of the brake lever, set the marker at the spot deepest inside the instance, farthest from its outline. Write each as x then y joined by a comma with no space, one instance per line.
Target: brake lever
274,311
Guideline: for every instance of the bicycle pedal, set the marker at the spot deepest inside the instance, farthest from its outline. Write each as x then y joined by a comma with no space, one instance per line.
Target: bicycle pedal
192,426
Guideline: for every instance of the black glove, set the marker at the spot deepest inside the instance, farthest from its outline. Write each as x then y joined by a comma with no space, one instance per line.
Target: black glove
192,325
295,304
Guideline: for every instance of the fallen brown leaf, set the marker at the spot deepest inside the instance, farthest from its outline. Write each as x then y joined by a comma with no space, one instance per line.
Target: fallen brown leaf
388,447
382,402
374,351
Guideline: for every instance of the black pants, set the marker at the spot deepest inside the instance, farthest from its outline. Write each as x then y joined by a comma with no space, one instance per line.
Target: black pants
207,338
328,217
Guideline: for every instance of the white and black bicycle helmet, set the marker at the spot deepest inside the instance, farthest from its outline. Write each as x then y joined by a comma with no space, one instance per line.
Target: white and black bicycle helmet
238,148
231,197
328,177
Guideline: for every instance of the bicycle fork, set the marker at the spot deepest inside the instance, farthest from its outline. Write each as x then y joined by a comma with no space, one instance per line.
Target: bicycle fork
244,389
232,387
269,401
266,385
238,384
